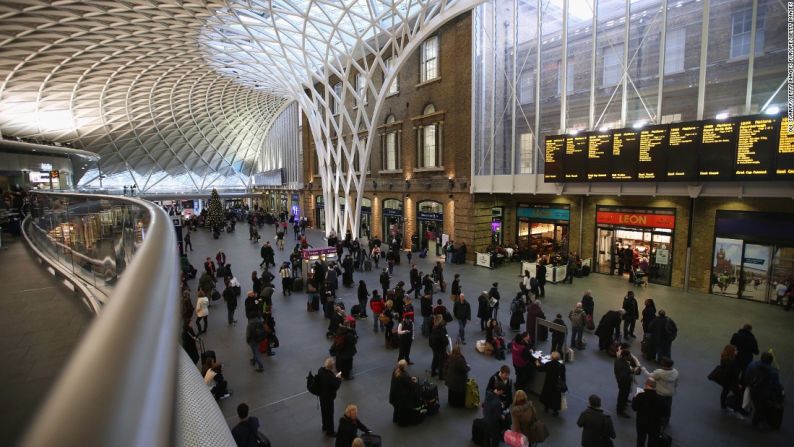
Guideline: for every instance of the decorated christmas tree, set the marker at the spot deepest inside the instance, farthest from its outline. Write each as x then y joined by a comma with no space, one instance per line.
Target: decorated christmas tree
215,215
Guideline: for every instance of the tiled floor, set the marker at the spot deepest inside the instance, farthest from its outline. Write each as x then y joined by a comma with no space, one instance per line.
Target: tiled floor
41,321
290,415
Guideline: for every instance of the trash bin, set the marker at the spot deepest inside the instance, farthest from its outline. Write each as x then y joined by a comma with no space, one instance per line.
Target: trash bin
415,242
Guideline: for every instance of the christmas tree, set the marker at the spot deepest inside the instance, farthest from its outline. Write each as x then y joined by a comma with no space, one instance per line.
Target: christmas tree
215,215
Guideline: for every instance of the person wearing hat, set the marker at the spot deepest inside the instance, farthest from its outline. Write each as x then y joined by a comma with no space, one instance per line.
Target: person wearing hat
649,408
596,425
493,299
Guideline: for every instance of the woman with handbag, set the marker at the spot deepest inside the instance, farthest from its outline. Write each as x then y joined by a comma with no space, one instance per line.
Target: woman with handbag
525,419
727,376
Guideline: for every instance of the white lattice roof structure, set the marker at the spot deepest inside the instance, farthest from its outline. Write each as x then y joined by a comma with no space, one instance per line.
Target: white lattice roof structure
128,80
181,93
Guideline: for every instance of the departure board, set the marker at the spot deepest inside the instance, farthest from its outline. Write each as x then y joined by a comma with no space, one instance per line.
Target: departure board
625,152
575,166
755,148
682,161
717,147
784,158
652,160
599,154
555,146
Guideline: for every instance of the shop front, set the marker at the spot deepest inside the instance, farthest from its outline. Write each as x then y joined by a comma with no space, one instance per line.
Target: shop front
319,212
366,218
542,230
393,225
295,208
635,239
430,221
753,254
497,225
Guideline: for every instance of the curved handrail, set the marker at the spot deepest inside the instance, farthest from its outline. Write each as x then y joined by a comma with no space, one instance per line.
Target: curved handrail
119,388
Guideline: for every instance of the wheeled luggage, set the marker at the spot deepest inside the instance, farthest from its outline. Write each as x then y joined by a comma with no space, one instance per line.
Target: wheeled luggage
472,394
479,432
206,354
297,284
371,439
428,392
367,265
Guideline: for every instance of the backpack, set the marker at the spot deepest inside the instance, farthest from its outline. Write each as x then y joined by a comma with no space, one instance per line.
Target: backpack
670,329
313,384
259,332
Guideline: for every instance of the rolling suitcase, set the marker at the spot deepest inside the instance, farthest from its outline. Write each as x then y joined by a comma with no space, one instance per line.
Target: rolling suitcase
472,394
367,265
313,305
429,396
297,284
479,432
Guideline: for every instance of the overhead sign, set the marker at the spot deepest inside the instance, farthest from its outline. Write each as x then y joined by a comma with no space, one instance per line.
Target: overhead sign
635,219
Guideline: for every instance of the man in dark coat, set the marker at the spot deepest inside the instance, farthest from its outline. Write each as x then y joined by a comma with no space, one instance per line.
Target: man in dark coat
663,331
493,294
649,414
246,431
502,377
631,315
608,329
455,288
462,312
345,342
268,255
483,310
329,384
540,274
746,345
554,384
596,426
624,374
493,413
415,281
385,280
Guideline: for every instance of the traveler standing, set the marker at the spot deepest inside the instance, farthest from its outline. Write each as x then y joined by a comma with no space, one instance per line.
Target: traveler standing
230,295
362,295
286,279
455,288
483,310
624,375
765,391
456,377
729,380
540,274
597,428
666,379
405,333
577,317
255,334
648,314
385,280
402,393
189,339
663,331
648,407
588,304
345,349
631,315
746,346
377,306
493,413
521,354
493,299
558,337
202,311
608,330
329,384
523,416
462,311
438,343
246,432
554,384
188,242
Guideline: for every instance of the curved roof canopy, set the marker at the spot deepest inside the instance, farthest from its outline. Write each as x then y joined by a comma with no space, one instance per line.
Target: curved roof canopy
128,80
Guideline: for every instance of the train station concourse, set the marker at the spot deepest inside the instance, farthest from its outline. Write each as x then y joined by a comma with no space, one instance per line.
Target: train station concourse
396,222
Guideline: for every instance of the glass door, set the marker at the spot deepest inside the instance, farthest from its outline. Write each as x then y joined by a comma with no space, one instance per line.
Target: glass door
782,270
661,259
605,255
756,262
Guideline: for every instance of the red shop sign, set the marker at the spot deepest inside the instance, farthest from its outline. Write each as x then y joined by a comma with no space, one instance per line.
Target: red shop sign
636,219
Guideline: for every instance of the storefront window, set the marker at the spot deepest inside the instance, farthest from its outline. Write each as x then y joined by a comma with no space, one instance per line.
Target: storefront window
319,213
430,220
635,241
753,254
542,231
497,235
366,218
392,219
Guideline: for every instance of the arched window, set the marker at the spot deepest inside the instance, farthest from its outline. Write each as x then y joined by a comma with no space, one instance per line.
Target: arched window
390,143
429,142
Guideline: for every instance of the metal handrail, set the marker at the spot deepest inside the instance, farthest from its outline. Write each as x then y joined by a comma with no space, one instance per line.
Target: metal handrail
120,386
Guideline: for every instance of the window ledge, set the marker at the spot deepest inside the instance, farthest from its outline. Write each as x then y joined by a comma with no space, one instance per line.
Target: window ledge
390,171
393,94
433,169
432,81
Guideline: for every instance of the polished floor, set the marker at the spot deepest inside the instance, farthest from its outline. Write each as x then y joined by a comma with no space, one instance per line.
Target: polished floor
41,321
290,416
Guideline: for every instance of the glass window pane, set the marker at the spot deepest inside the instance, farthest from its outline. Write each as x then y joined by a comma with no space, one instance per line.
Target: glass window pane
429,146
675,44
680,90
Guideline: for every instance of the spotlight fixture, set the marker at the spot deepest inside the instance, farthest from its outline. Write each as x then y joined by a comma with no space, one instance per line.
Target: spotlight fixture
451,183
374,184
429,185
407,184
772,110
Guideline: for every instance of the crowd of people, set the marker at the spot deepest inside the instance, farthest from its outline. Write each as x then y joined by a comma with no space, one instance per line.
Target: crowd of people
419,309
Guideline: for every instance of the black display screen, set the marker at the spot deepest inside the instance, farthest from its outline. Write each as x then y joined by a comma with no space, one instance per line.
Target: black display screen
575,166
652,161
755,148
717,147
682,159
599,155
555,147
784,158
625,152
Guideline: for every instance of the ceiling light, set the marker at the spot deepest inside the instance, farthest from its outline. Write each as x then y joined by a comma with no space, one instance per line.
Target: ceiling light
772,110
604,129
640,124
722,115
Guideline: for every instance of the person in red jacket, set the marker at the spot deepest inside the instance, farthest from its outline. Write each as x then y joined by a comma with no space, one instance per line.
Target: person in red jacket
377,306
